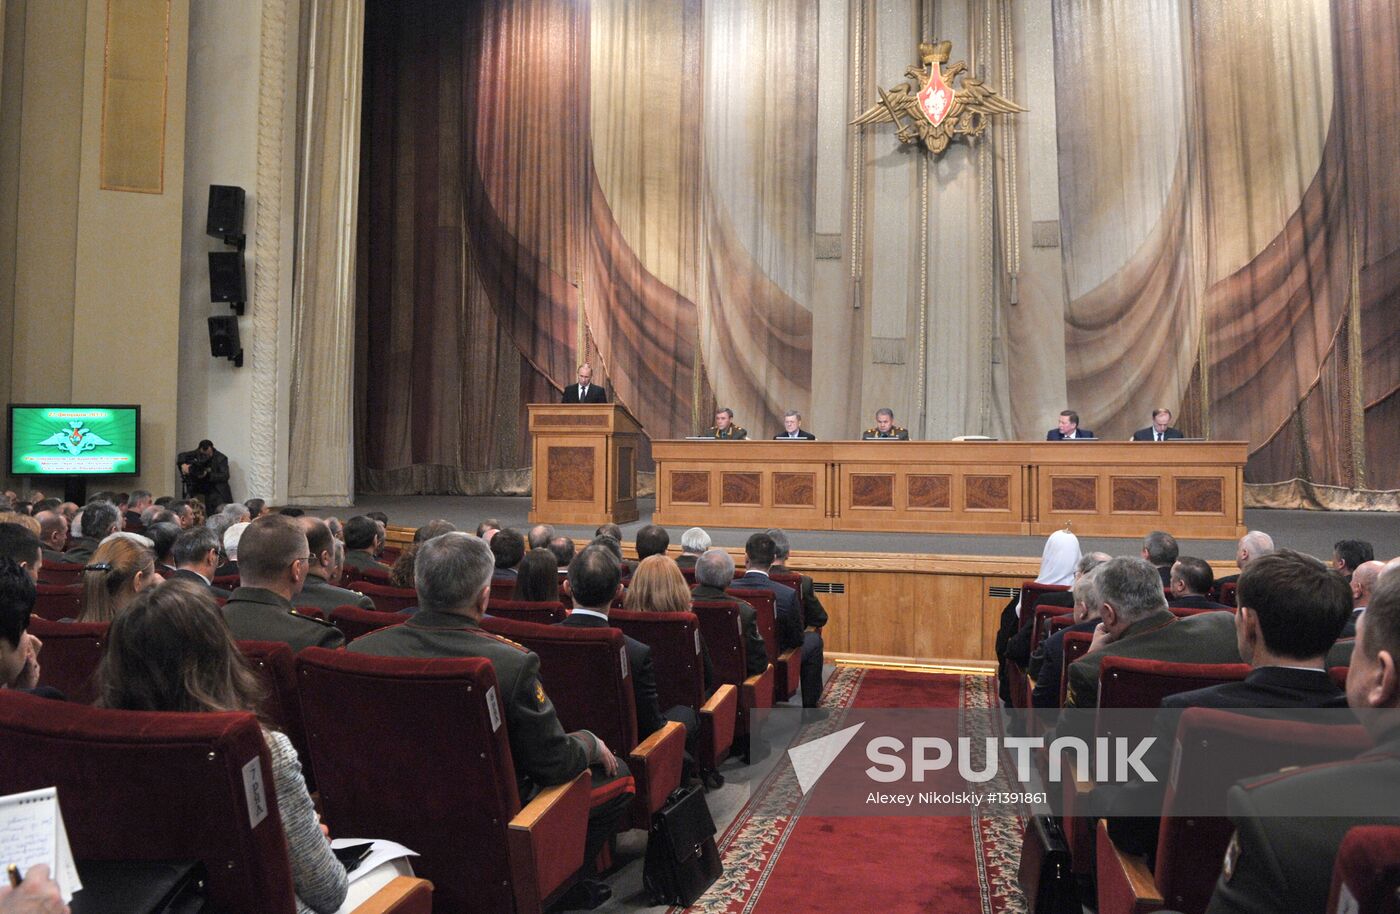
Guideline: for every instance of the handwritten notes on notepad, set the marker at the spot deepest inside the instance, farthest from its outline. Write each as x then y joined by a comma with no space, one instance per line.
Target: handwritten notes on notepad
32,832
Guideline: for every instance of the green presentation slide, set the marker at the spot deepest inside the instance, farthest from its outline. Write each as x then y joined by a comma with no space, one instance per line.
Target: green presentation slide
73,440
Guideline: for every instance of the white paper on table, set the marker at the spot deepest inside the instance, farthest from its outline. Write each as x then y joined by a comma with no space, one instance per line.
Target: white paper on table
32,832
385,861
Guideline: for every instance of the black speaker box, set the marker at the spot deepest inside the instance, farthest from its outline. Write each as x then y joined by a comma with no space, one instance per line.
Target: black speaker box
227,282
223,340
225,211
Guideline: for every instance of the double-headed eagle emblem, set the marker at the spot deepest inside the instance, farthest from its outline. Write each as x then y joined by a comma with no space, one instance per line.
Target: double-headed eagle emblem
75,439
936,110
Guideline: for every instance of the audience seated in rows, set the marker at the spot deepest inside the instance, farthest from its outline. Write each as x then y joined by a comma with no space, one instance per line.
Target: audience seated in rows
1160,549
760,553
273,562
453,579
1191,583
1291,608
658,586
1281,864
594,582
120,569
171,651
695,542
508,548
317,590
537,580
714,571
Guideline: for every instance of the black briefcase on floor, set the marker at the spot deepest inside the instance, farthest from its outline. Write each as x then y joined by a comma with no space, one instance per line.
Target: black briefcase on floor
139,887
682,860
1045,875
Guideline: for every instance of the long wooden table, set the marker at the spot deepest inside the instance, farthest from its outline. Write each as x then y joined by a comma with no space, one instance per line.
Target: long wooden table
1101,488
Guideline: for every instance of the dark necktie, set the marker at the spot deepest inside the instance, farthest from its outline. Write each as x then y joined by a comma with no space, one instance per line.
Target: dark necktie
583,392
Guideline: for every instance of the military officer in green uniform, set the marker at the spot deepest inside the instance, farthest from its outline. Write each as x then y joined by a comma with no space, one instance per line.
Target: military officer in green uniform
725,428
885,427
1289,826
272,563
452,574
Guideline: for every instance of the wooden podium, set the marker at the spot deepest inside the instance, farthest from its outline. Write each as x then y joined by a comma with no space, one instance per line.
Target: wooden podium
585,463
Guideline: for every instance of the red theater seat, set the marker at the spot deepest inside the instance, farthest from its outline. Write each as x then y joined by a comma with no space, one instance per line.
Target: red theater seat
416,751
541,613
71,653
1367,872
787,665
150,785
1213,750
585,673
228,582
58,601
723,630
674,639
386,599
61,573
276,668
354,621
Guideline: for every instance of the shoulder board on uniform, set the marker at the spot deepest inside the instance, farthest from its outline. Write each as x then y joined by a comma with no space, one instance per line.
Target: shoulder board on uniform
311,619
739,430
504,640
872,432
899,430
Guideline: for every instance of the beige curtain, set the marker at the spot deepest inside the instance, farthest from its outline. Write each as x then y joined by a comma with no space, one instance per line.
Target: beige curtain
320,463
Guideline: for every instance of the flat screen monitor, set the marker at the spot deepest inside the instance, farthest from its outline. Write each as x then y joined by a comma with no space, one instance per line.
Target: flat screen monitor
66,440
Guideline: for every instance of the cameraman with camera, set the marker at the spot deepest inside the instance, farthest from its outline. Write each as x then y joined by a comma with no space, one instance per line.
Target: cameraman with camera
204,473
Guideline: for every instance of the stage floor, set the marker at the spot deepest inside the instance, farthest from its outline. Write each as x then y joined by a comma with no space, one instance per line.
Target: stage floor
1312,532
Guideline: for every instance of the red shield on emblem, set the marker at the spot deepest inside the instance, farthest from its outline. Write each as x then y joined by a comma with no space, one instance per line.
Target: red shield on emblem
935,98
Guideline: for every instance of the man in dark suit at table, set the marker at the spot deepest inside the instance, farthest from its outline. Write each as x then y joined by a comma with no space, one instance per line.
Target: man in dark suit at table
1160,429
760,553
1068,429
792,428
585,391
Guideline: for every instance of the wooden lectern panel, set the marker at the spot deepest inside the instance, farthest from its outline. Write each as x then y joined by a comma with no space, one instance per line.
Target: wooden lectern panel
585,464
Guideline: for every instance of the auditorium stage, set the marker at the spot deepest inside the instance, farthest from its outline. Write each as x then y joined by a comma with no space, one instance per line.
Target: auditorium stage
1313,532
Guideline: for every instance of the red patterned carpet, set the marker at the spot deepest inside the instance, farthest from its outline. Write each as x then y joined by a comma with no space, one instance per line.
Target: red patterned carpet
777,861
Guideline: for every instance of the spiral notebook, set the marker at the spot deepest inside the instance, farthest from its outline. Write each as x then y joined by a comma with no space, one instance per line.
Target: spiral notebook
32,832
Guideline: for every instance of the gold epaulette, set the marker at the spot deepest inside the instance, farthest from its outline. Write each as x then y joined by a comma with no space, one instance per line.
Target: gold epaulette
504,640
311,618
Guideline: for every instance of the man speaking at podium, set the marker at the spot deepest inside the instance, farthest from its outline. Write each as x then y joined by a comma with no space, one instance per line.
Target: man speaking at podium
585,391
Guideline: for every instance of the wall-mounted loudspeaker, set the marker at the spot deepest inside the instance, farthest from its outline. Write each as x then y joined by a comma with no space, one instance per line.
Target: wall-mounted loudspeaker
223,340
227,282
226,213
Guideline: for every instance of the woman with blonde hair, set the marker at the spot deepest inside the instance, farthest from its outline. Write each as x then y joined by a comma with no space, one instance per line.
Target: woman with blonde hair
172,651
657,586
119,570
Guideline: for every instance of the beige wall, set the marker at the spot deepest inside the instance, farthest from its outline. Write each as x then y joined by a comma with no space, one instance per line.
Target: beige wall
91,299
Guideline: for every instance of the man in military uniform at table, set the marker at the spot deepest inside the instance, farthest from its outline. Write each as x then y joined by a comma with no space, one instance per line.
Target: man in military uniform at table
724,426
885,427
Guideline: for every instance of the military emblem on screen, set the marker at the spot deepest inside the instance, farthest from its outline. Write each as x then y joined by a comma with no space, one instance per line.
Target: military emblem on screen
935,109
75,440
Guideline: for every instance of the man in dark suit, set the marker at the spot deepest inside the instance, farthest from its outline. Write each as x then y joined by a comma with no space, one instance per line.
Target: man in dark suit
1348,555
452,573
1280,862
814,616
100,519
714,571
1191,581
1068,429
593,581
695,542
272,561
139,501
1291,609
760,553
53,535
1159,548
508,546
792,428
317,591
1252,545
197,554
1160,429
585,391
1046,665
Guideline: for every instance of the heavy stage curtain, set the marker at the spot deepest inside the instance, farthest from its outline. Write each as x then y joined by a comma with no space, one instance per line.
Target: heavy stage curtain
543,179
1231,239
